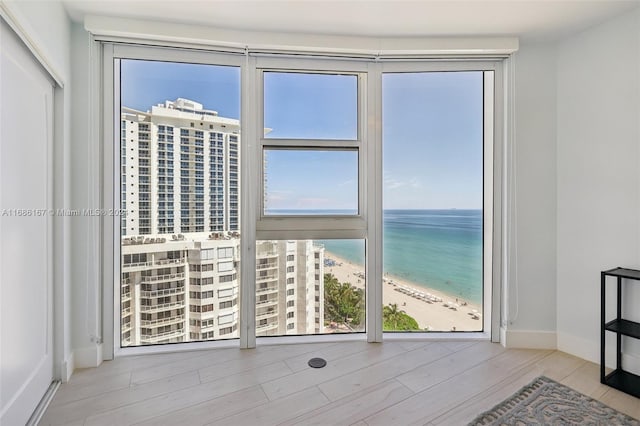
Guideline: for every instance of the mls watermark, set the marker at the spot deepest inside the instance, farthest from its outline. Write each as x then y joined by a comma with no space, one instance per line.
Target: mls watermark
61,212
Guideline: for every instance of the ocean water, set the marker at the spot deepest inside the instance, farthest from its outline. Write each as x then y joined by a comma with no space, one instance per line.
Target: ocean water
440,249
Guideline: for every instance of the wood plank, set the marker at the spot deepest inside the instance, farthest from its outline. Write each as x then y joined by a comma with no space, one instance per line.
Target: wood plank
207,359
126,364
464,412
356,407
330,354
276,412
622,402
62,414
458,387
458,345
586,380
43,422
211,410
409,345
188,397
382,371
431,374
556,366
372,380
312,376
250,359
66,394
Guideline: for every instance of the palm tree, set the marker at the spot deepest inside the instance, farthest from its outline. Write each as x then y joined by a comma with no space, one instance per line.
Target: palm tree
392,316
343,302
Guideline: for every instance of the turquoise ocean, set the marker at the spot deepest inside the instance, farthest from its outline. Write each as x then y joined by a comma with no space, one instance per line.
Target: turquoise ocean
439,249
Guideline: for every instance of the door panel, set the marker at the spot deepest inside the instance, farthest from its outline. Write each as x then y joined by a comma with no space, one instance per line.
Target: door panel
25,230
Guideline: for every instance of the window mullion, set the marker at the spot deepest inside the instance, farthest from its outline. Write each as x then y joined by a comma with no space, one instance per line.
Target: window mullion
250,172
372,153
311,143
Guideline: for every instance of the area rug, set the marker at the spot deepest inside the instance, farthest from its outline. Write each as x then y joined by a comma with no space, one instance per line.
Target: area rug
546,402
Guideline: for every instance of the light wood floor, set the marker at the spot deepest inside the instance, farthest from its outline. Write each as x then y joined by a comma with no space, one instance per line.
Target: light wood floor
393,383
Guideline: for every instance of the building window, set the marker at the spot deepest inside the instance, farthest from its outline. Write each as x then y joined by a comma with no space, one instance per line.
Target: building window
227,304
225,253
226,330
226,319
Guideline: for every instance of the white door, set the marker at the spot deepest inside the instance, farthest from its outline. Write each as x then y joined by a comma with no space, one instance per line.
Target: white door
26,351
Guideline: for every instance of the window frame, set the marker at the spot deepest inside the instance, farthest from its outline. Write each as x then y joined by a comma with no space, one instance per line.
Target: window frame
302,227
493,142
112,54
254,225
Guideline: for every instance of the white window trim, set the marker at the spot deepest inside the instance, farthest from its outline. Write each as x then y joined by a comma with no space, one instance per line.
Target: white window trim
366,225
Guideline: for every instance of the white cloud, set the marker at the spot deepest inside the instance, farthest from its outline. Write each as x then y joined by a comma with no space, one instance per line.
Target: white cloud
347,182
391,183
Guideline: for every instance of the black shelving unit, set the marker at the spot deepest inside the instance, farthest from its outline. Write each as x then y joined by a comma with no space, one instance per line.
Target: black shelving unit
619,378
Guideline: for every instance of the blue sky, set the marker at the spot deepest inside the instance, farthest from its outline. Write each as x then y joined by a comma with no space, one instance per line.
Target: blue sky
432,131
147,83
432,140
315,106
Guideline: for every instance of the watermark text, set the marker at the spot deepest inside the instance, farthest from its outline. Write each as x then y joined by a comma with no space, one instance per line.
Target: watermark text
60,212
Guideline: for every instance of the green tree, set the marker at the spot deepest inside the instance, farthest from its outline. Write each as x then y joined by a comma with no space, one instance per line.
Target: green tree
343,303
397,320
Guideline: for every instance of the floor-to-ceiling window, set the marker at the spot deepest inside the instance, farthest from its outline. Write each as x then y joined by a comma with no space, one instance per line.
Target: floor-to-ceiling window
312,138
179,198
433,208
367,189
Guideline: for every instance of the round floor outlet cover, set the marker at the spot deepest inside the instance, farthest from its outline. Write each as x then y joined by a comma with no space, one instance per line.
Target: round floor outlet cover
317,362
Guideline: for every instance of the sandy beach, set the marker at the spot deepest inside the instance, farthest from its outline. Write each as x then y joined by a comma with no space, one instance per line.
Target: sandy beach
432,309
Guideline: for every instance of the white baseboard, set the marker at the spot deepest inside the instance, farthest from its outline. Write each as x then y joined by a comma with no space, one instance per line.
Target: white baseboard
590,350
528,339
88,357
66,368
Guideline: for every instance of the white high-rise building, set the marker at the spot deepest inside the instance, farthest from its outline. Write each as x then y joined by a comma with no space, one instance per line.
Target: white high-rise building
181,241
179,170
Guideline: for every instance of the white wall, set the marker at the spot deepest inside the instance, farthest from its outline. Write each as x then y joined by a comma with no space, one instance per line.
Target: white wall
46,24
530,318
68,49
598,163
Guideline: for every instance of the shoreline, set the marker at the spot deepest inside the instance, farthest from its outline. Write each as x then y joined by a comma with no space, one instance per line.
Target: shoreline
431,308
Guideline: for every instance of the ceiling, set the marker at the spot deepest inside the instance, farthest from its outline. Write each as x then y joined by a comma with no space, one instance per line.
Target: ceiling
538,19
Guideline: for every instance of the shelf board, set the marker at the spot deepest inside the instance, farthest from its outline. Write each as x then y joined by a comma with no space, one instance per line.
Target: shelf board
624,381
624,327
633,274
